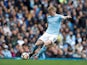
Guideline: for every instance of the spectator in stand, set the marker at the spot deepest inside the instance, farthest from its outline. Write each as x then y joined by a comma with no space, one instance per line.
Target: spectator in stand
23,21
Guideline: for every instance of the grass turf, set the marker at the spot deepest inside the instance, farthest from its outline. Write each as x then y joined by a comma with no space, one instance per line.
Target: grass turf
43,62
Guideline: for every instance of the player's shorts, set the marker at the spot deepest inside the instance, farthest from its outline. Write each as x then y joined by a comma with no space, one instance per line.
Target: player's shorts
45,37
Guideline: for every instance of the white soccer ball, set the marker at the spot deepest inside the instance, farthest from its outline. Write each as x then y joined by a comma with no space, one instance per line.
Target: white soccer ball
25,56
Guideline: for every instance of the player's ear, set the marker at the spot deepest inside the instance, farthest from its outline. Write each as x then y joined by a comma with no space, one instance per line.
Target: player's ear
55,9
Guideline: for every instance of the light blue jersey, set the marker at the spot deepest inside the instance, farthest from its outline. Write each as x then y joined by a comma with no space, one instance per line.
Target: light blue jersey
54,24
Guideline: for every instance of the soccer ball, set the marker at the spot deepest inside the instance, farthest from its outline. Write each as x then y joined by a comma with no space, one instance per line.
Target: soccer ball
25,56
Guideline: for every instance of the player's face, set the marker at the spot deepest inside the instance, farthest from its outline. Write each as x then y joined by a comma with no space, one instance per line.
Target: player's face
51,12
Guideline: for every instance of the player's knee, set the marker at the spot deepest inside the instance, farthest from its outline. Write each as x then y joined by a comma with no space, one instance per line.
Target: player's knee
36,43
54,50
47,43
60,52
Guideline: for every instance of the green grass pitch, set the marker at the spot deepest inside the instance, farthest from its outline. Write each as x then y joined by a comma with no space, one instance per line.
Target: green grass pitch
42,62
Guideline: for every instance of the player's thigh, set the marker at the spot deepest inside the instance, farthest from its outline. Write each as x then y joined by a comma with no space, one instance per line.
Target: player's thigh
54,50
44,37
41,39
48,42
51,40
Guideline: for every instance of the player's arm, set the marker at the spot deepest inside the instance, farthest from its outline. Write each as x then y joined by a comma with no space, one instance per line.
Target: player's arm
66,17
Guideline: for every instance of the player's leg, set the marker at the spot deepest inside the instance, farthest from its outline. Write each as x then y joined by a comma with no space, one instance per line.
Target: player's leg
54,49
51,40
39,42
57,52
44,47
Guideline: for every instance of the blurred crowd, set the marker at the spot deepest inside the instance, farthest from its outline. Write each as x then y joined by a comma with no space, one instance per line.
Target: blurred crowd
22,22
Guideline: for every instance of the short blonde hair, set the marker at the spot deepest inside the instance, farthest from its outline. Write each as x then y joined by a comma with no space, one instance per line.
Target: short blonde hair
51,8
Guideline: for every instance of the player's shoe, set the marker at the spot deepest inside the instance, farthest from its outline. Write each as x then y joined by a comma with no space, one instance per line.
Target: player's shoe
36,57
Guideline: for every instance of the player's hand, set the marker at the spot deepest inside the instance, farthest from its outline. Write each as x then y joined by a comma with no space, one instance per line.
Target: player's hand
69,16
